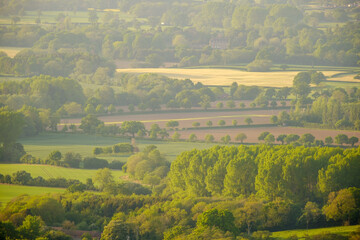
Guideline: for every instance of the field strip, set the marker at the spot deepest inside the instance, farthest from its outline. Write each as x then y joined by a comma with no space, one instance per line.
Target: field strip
178,119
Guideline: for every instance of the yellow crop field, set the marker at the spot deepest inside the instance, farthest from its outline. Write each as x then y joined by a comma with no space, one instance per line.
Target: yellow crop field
11,51
226,76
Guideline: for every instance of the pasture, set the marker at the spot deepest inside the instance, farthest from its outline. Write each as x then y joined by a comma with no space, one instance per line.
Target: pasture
8,192
47,171
301,233
43,144
225,77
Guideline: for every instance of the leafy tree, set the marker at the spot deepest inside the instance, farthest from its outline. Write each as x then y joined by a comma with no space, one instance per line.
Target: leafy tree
269,139
230,104
234,122
226,139
241,137
132,127
192,137
281,138
248,121
353,140
221,122
223,219
263,135
196,124
307,138
176,136
172,124
219,105
274,119
11,124
31,227
310,213
209,138
341,139
340,206
250,214
21,177
209,123
291,138
329,140
118,230
104,180
89,124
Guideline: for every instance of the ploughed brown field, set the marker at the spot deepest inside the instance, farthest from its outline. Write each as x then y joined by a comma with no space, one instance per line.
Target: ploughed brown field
253,133
186,120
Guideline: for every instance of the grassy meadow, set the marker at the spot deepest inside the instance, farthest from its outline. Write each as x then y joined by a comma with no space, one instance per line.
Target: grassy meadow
301,233
47,171
8,192
43,144
215,76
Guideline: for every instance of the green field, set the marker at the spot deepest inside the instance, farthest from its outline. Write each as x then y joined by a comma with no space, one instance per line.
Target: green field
301,233
47,171
49,17
8,192
11,51
43,144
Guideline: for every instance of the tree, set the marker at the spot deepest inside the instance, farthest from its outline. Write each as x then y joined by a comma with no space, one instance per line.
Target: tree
223,219
172,124
269,139
307,138
219,105
89,124
291,138
196,124
281,138
226,139
340,206
274,119
241,137
176,136
234,122
11,125
132,127
221,122
21,177
230,104
353,140
209,123
310,213
104,180
248,121
119,230
209,138
192,137
329,140
31,227
341,139
93,18
250,214
263,135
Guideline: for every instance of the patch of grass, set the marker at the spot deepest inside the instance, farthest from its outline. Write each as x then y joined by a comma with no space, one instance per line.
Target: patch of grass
343,230
10,78
47,171
43,144
8,192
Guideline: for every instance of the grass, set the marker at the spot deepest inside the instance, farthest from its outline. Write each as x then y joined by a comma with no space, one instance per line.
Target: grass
49,17
8,192
43,144
343,230
221,77
47,171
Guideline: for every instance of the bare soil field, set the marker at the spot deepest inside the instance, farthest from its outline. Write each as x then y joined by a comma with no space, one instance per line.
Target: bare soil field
186,119
253,133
